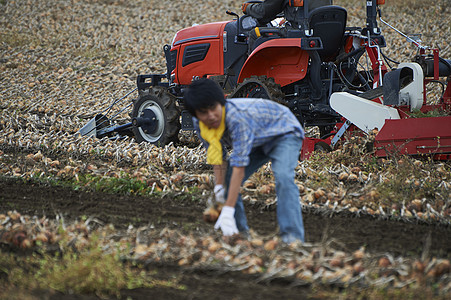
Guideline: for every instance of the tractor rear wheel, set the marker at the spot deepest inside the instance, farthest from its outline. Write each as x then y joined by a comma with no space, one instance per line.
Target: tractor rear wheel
160,107
259,87
322,147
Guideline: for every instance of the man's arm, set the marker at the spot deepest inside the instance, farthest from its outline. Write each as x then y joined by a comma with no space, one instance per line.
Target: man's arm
264,12
220,172
226,220
235,185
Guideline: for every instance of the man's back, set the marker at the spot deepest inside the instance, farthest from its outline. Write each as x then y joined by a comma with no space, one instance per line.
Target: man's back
257,122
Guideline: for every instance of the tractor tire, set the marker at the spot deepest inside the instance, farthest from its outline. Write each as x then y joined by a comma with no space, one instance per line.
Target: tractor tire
163,106
259,87
322,147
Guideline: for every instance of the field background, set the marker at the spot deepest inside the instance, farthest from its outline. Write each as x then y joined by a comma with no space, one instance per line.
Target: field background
61,62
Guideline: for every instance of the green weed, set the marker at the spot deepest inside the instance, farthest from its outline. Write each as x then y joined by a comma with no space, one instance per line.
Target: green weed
89,270
429,114
15,39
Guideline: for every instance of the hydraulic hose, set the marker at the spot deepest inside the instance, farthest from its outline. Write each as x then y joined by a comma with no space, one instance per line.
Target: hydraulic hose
315,75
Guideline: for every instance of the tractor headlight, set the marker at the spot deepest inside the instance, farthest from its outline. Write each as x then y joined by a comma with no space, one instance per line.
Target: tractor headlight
173,39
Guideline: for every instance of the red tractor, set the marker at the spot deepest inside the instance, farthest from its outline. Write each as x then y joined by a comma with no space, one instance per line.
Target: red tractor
310,63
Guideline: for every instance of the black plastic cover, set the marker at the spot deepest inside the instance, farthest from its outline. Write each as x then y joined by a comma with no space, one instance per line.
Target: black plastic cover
194,53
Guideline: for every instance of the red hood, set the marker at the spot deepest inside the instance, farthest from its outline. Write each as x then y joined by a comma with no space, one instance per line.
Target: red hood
199,32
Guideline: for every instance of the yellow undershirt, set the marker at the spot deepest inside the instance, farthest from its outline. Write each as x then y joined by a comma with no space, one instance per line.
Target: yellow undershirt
213,137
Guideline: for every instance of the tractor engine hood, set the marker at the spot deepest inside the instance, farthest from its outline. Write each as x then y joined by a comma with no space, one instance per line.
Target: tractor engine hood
199,32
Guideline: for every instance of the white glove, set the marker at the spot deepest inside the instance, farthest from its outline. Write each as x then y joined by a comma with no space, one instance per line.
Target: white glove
219,193
226,221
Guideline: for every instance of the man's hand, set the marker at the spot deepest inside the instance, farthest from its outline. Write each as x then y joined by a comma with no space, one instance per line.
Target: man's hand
219,193
226,221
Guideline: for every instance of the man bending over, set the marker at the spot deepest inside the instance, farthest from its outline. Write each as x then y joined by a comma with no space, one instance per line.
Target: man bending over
257,131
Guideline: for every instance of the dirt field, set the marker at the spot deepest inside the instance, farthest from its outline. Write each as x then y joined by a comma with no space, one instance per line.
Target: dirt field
378,236
62,62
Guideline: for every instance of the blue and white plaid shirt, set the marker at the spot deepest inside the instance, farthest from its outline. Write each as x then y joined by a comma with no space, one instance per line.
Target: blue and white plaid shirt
252,123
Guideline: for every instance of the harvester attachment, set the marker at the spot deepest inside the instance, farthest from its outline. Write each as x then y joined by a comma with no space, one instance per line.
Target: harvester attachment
103,125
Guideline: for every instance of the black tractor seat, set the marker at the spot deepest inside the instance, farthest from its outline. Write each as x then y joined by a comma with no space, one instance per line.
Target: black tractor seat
328,23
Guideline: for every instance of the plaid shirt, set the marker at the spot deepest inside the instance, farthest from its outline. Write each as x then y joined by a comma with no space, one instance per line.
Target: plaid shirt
252,123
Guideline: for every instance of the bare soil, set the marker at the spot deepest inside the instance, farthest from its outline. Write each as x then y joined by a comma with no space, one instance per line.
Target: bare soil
185,214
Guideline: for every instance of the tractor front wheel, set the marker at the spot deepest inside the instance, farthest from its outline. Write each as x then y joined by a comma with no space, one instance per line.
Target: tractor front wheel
158,115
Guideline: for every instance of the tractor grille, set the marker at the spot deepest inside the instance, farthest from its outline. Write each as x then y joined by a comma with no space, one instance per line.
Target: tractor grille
172,60
194,53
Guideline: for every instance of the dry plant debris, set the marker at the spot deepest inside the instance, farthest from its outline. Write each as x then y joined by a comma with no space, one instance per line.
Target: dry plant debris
61,62
267,258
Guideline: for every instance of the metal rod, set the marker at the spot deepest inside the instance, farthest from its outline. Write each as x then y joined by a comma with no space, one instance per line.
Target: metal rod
115,129
434,147
117,101
379,58
340,133
121,110
404,35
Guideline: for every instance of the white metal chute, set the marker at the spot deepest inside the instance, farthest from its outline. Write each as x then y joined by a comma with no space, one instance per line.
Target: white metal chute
365,114
414,91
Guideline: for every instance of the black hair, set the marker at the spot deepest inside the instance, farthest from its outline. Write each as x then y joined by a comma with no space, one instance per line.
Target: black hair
203,93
